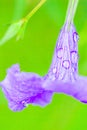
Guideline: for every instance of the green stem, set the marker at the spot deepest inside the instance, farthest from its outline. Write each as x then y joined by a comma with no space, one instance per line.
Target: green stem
35,9
71,11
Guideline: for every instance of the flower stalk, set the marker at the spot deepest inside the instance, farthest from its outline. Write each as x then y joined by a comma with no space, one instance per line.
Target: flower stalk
35,9
71,12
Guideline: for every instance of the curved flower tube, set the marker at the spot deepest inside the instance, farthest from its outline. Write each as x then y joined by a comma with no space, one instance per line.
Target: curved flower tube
63,73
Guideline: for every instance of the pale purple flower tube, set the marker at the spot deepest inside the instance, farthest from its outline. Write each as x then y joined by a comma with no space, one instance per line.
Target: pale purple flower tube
64,68
22,88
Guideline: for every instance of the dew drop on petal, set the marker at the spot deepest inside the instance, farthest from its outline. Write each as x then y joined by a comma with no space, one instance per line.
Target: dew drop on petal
74,57
66,64
75,37
25,104
60,53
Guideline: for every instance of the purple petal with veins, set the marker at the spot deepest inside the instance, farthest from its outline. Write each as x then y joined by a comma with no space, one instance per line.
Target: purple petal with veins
22,88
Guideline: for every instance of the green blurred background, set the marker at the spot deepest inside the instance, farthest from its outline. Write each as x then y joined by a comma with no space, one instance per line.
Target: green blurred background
34,53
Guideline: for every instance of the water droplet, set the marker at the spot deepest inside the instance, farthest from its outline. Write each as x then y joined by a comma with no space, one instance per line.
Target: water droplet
25,104
60,53
66,64
75,37
74,57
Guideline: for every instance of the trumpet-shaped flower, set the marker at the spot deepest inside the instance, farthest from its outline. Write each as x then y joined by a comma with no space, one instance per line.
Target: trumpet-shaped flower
22,88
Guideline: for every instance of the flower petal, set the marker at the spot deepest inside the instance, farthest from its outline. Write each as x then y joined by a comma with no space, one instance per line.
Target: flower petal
23,88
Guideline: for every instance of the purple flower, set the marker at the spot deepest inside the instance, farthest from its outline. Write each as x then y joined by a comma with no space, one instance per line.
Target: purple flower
23,88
